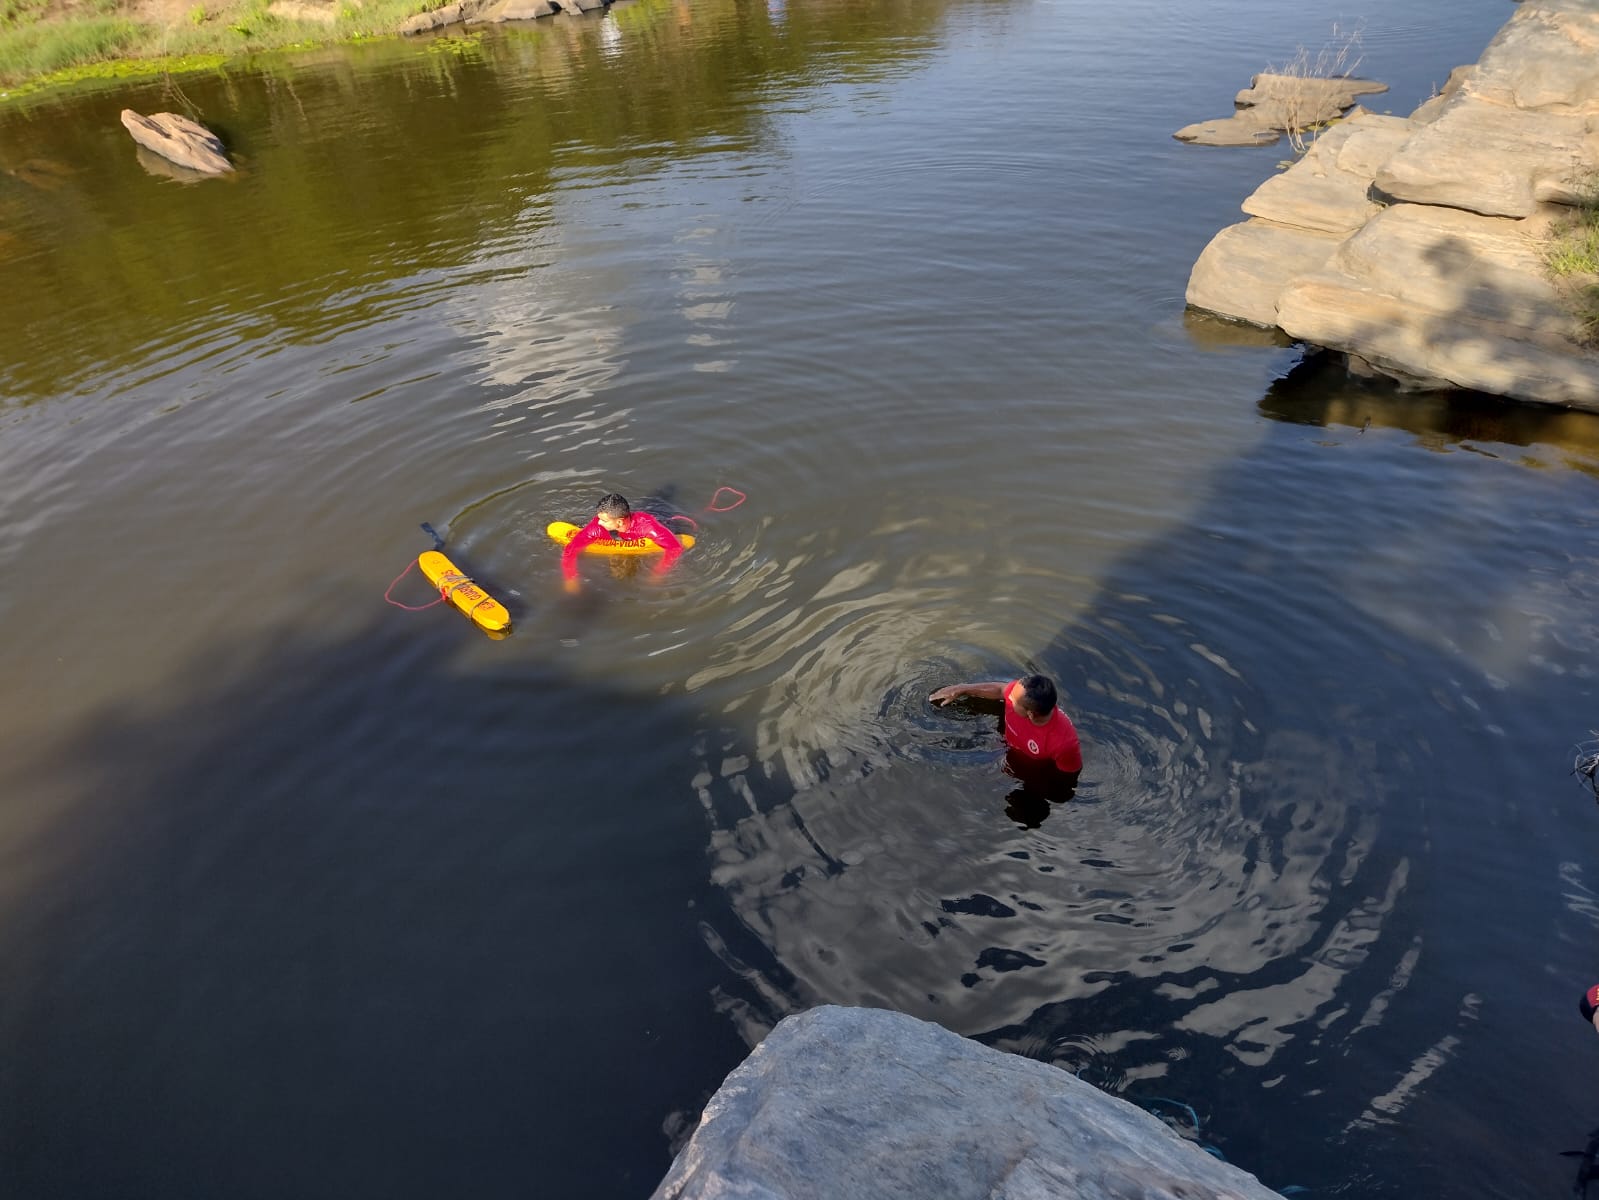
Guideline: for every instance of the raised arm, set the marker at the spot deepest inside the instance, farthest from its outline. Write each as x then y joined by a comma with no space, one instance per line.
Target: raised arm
977,691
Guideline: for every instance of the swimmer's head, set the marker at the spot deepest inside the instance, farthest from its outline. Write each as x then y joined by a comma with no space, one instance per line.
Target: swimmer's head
1589,1004
1038,698
613,511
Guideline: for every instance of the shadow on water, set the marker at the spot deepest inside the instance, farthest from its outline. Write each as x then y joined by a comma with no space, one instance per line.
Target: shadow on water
1323,725
327,928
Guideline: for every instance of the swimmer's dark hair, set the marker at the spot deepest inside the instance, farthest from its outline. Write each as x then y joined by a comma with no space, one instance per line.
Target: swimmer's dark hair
1038,695
614,504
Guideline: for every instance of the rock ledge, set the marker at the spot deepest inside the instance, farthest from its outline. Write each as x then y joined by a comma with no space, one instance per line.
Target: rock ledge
866,1104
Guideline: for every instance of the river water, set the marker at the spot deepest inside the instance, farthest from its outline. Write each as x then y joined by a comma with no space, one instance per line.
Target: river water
305,895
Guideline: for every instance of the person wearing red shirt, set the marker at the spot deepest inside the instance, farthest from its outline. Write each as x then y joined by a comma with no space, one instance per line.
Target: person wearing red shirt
615,518
1589,1006
1039,737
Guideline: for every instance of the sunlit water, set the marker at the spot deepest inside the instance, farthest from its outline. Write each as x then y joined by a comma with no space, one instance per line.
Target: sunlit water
304,895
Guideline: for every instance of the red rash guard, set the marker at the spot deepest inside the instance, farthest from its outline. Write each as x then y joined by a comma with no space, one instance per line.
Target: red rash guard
1055,741
640,527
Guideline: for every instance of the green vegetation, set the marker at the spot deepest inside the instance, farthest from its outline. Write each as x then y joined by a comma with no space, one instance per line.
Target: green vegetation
44,43
1572,258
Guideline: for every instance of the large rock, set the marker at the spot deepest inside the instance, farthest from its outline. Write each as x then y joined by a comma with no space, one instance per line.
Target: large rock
1433,106
865,1104
1449,287
518,10
302,10
1521,128
491,12
1329,189
1247,266
1544,57
179,140
1274,104
1447,298
1501,162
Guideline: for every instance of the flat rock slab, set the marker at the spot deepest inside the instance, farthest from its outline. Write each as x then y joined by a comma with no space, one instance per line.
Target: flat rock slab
1329,189
866,1104
518,10
493,12
1448,298
1248,127
1275,104
1246,267
1488,159
179,140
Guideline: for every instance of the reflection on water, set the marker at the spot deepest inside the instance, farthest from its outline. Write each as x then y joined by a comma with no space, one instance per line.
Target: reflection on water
1320,391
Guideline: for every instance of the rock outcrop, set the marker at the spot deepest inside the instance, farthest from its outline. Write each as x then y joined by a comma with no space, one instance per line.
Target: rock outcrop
865,1104
1418,246
492,12
1273,105
179,140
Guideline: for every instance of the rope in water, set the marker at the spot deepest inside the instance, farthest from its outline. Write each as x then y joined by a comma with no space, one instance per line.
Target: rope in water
713,506
443,593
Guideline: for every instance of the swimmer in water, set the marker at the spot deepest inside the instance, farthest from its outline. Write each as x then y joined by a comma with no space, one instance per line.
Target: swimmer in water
1041,742
615,518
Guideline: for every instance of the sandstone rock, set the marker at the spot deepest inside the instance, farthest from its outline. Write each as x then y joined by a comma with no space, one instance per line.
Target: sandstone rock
298,10
1449,287
519,10
1275,104
581,5
1546,57
1247,127
1433,105
1311,98
1449,298
1327,190
180,140
1523,126
437,18
1489,159
1247,266
865,1104
1372,141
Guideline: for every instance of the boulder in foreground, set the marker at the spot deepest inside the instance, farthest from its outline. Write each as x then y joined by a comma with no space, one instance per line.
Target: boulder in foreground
865,1104
179,140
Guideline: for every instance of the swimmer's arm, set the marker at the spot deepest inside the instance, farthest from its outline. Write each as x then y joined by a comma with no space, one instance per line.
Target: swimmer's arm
664,538
589,533
976,691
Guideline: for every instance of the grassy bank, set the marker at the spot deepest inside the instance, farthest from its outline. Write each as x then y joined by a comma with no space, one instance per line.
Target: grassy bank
47,42
1572,256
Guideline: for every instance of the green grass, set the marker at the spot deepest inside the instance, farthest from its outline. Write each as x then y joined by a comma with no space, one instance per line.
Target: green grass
43,45
1572,259
31,50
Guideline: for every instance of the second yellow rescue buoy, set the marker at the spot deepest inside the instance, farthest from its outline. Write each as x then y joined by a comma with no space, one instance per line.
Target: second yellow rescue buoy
487,613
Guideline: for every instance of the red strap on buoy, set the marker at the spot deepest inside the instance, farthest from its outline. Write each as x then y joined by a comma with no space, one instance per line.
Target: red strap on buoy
410,607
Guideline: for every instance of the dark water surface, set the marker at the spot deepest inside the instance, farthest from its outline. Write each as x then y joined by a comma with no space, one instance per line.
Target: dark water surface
305,896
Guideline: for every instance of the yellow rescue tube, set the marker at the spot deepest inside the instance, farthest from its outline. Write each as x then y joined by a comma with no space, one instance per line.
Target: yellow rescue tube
487,613
565,531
